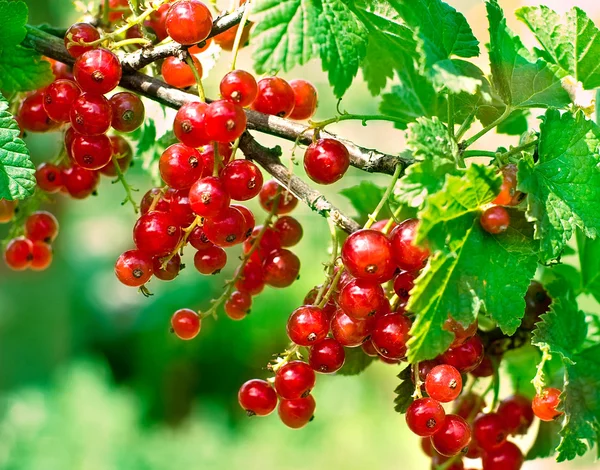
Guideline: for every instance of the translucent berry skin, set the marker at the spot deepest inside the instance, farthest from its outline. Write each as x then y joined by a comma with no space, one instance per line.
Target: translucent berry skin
157,21
307,325
128,111
7,210
349,332
156,233
92,152
443,383
123,152
281,268
289,230
188,22
268,243
361,298
466,356
257,397
210,260
180,166
134,268
297,413
403,284
495,220
294,380
252,280
242,179
275,96
224,121
506,457
80,32
468,405
208,197
97,71
91,114
305,99
369,349
453,437
32,116
186,324
49,177
41,226
268,194
326,161
485,368
407,255
327,356
390,335
237,306
58,98
366,254
425,417
189,125
489,431
18,254
226,229
239,87
516,414
41,256
545,403
178,73
79,182
170,271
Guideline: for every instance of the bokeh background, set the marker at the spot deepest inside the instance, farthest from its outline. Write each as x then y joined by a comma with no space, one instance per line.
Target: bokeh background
91,378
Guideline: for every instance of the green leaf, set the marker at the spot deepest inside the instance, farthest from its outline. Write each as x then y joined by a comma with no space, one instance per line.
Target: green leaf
563,329
356,362
413,98
14,17
521,366
589,259
515,124
428,138
457,76
581,404
17,180
23,69
563,187
521,81
422,179
364,198
404,391
545,442
571,41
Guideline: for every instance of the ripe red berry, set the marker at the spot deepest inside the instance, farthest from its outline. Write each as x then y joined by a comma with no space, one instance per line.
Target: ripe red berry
91,114
443,383
179,206
268,195
251,280
489,431
227,228
41,256
208,157
186,323
506,457
361,298
114,16
208,197
390,335
545,403
469,405
41,226
32,116
224,121
485,368
170,271
307,325
453,437
123,152
294,380
227,38
407,255
188,126
495,220
49,178
78,33
237,306
128,111
350,332
275,96
58,98
305,99
268,243
516,414
157,21
257,397
242,179
79,182
18,254
134,268
97,71
327,356
180,166
425,417
188,22
156,233
7,210
92,152
210,260
366,254
466,356
239,87
326,161
289,230
297,413
178,73
281,268
369,349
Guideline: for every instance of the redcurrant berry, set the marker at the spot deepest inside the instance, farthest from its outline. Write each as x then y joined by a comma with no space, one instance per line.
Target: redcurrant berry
509,196
297,413
257,397
208,197
41,256
286,202
49,178
545,404
305,99
366,254
189,126
249,221
326,161
186,323
226,229
41,226
425,417
97,71
224,121
237,306
327,356
350,332
251,279
157,21
407,255
210,260
443,383
91,114
156,233
294,380
79,182
307,325
281,268
361,298
128,111
18,254
178,73
516,414
239,87
242,179
171,269
188,22
466,356
58,98
390,335
78,33
453,437
506,457
92,152
495,220
275,96
32,116
134,268
289,230
7,210
489,431
180,166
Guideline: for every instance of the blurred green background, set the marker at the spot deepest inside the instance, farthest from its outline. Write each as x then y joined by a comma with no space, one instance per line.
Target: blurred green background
91,378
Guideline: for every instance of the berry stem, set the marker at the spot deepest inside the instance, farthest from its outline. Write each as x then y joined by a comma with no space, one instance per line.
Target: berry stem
217,159
467,143
128,188
156,200
105,12
451,116
190,62
331,264
466,125
284,358
128,42
501,157
495,383
179,248
239,33
479,153
418,383
355,117
234,149
386,195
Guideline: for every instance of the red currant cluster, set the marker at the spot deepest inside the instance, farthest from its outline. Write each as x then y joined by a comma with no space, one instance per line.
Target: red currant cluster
496,219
